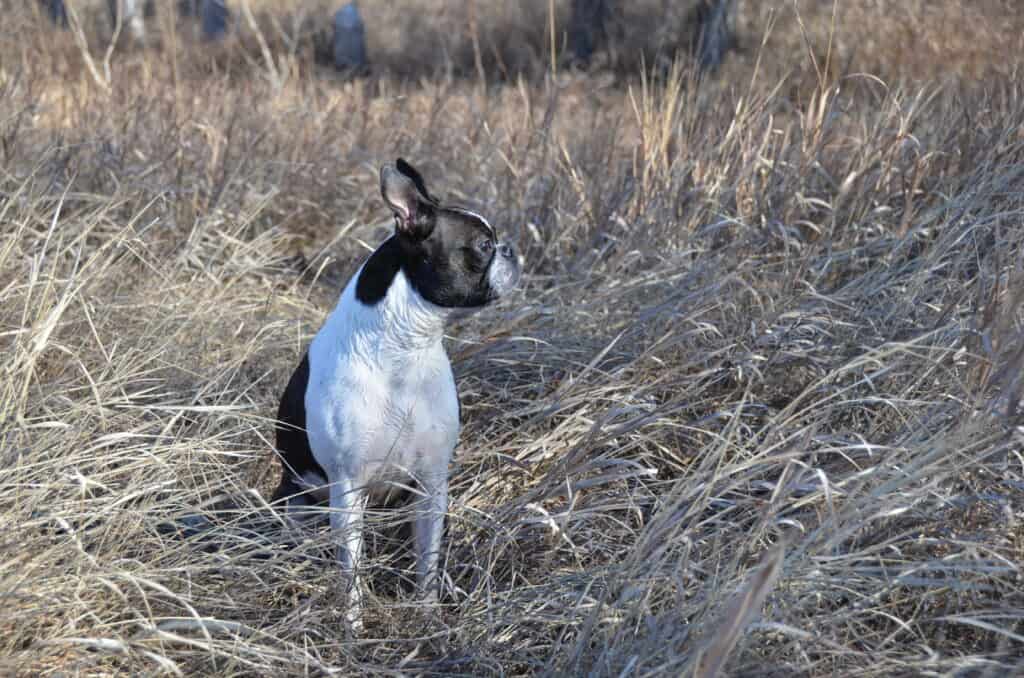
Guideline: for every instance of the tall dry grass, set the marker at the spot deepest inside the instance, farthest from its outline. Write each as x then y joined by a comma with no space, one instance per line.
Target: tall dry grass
771,316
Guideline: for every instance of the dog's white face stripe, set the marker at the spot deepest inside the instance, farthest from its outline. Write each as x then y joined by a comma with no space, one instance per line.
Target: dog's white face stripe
471,213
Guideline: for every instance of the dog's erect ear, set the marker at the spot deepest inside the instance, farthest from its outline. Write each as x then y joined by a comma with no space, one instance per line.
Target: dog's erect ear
410,171
406,194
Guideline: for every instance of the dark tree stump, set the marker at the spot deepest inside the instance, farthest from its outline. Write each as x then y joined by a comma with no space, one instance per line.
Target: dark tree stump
214,18
349,44
712,36
56,11
188,8
587,27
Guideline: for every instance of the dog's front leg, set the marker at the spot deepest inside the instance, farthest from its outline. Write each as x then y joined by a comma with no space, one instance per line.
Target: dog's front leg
347,505
428,528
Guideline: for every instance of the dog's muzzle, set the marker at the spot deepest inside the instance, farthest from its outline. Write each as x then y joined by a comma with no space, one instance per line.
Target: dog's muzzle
504,273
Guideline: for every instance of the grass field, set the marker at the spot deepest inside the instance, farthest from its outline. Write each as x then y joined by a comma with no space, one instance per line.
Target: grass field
762,377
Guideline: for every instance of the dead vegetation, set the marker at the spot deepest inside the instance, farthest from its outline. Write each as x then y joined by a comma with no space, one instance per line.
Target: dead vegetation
773,316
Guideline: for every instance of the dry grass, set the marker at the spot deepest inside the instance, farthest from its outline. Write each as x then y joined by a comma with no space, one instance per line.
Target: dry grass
778,308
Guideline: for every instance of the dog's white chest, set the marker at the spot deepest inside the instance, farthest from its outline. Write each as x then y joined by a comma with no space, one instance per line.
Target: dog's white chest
381,402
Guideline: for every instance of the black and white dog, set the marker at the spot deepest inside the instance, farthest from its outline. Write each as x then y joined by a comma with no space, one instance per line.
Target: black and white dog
373,402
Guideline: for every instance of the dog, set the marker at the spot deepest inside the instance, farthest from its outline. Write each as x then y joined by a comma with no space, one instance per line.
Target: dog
373,402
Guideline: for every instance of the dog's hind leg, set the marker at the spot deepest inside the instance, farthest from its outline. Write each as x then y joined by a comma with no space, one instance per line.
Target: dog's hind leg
303,480
347,506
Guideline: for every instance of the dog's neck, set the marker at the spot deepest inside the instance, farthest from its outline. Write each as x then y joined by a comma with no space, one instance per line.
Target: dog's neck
399,321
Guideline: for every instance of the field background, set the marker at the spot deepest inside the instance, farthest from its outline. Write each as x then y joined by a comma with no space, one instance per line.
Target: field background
772,315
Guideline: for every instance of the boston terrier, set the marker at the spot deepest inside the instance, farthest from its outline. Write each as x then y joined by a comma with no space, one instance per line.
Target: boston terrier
373,402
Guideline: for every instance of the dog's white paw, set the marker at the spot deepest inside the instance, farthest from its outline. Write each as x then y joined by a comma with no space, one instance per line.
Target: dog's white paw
354,622
354,609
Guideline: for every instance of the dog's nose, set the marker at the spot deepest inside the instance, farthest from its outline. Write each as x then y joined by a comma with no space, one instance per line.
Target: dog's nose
505,250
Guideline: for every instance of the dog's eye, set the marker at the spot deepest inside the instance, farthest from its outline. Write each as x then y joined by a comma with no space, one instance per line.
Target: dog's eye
485,246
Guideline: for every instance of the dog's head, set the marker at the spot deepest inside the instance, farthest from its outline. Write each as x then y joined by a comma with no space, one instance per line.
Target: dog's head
451,255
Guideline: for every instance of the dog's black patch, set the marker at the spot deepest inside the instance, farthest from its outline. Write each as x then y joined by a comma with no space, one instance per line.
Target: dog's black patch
378,272
292,442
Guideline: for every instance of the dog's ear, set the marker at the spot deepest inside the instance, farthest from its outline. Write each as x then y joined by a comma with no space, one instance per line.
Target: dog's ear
405,193
408,170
